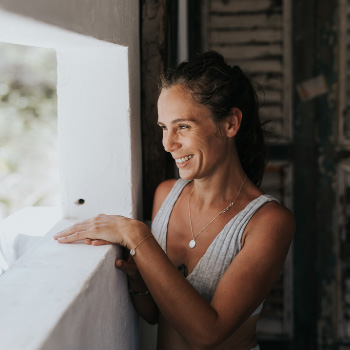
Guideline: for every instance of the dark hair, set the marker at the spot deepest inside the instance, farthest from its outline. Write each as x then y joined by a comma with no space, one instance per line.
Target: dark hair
212,82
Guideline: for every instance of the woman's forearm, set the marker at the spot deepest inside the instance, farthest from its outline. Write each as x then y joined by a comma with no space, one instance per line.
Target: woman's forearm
176,299
142,300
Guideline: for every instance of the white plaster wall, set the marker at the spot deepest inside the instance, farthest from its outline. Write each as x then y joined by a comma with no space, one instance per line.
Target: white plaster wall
71,296
113,21
96,141
94,131
66,297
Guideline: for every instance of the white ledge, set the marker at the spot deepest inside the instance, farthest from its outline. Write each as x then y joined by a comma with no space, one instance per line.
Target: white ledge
28,31
70,296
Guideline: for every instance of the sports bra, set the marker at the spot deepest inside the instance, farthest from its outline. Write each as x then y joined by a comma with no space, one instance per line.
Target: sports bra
220,253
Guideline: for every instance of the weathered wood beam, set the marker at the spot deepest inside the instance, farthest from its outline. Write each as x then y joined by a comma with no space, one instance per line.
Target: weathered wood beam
153,57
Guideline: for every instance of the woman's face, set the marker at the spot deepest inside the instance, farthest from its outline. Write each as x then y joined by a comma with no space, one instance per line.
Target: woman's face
190,134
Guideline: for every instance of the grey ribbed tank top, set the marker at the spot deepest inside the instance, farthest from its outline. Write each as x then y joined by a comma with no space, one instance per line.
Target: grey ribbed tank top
225,246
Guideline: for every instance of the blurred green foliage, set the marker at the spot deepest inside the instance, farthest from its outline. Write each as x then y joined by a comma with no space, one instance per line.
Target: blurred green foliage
28,127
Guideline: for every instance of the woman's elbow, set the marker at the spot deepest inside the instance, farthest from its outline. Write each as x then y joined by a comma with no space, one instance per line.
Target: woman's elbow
208,341
151,318
152,321
203,345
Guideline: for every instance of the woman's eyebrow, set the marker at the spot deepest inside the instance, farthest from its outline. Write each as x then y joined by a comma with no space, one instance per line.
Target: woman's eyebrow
180,120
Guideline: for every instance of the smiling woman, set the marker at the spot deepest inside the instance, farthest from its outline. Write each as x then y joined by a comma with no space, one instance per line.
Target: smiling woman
219,241
195,135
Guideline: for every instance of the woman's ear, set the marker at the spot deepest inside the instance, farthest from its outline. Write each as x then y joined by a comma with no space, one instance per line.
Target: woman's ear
233,122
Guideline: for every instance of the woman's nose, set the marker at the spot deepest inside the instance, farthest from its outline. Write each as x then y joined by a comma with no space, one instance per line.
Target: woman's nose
169,142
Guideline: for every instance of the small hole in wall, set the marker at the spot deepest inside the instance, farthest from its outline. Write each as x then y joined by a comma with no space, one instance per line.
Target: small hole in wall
79,201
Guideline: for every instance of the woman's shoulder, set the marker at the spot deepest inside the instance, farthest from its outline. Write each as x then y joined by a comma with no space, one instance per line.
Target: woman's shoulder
161,193
270,230
274,217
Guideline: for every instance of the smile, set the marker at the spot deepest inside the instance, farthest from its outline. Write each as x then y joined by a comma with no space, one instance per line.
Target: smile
184,159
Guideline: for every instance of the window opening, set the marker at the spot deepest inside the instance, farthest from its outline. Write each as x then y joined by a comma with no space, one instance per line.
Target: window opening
28,128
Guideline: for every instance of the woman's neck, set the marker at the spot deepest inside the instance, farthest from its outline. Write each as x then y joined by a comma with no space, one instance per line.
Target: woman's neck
219,188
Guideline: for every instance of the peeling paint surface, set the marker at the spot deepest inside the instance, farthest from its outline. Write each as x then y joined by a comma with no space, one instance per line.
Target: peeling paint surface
255,35
276,316
344,249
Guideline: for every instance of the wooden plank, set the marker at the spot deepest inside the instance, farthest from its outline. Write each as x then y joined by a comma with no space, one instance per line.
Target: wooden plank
277,182
241,6
195,22
243,52
274,126
271,112
343,256
268,83
247,36
250,32
153,63
245,21
270,96
258,66
344,87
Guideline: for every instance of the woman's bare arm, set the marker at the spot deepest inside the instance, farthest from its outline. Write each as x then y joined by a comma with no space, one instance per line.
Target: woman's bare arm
243,287
142,299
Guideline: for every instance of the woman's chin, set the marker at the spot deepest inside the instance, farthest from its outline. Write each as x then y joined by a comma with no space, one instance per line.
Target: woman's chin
185,175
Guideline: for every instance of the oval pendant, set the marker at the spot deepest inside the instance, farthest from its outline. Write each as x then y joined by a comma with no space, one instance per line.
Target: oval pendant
192,243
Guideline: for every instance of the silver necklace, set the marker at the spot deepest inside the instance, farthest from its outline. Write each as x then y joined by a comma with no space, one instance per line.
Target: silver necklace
192,243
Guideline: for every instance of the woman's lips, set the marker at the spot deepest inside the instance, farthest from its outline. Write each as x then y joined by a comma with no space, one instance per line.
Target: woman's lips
183,159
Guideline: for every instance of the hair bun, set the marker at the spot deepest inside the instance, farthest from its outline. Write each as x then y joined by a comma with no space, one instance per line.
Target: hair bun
236,70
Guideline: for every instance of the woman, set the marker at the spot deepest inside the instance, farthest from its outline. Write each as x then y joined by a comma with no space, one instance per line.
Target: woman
217,242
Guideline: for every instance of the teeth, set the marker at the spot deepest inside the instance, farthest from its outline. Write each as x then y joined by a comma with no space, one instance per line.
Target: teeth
183,160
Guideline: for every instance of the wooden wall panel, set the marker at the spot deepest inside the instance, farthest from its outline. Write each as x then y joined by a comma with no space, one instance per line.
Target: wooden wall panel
153,63
343,230
344,73
276,317
255,34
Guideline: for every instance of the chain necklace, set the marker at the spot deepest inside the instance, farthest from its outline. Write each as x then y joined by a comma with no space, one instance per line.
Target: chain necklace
192,243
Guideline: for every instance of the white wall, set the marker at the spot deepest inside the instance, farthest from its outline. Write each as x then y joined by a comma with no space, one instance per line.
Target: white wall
113,21
71,296
66,297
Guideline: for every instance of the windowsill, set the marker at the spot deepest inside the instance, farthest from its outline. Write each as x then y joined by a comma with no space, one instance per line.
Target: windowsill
55,294
22,230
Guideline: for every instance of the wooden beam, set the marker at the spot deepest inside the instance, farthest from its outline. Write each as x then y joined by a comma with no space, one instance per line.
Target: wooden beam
153,56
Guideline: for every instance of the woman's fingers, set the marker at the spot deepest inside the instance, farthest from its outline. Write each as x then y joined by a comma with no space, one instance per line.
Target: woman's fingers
96,242
88,229
100,242
102,229
76,236
127,266
120,264
73,230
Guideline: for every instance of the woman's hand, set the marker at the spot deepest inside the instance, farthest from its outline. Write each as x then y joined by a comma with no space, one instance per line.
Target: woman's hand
128,266
96,242
104,229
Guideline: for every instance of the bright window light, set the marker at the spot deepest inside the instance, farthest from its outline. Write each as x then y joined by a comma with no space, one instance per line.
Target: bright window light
28,128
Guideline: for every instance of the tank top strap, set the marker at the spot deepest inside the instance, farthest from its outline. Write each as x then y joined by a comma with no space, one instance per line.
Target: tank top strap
242,219
224,248
161,220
